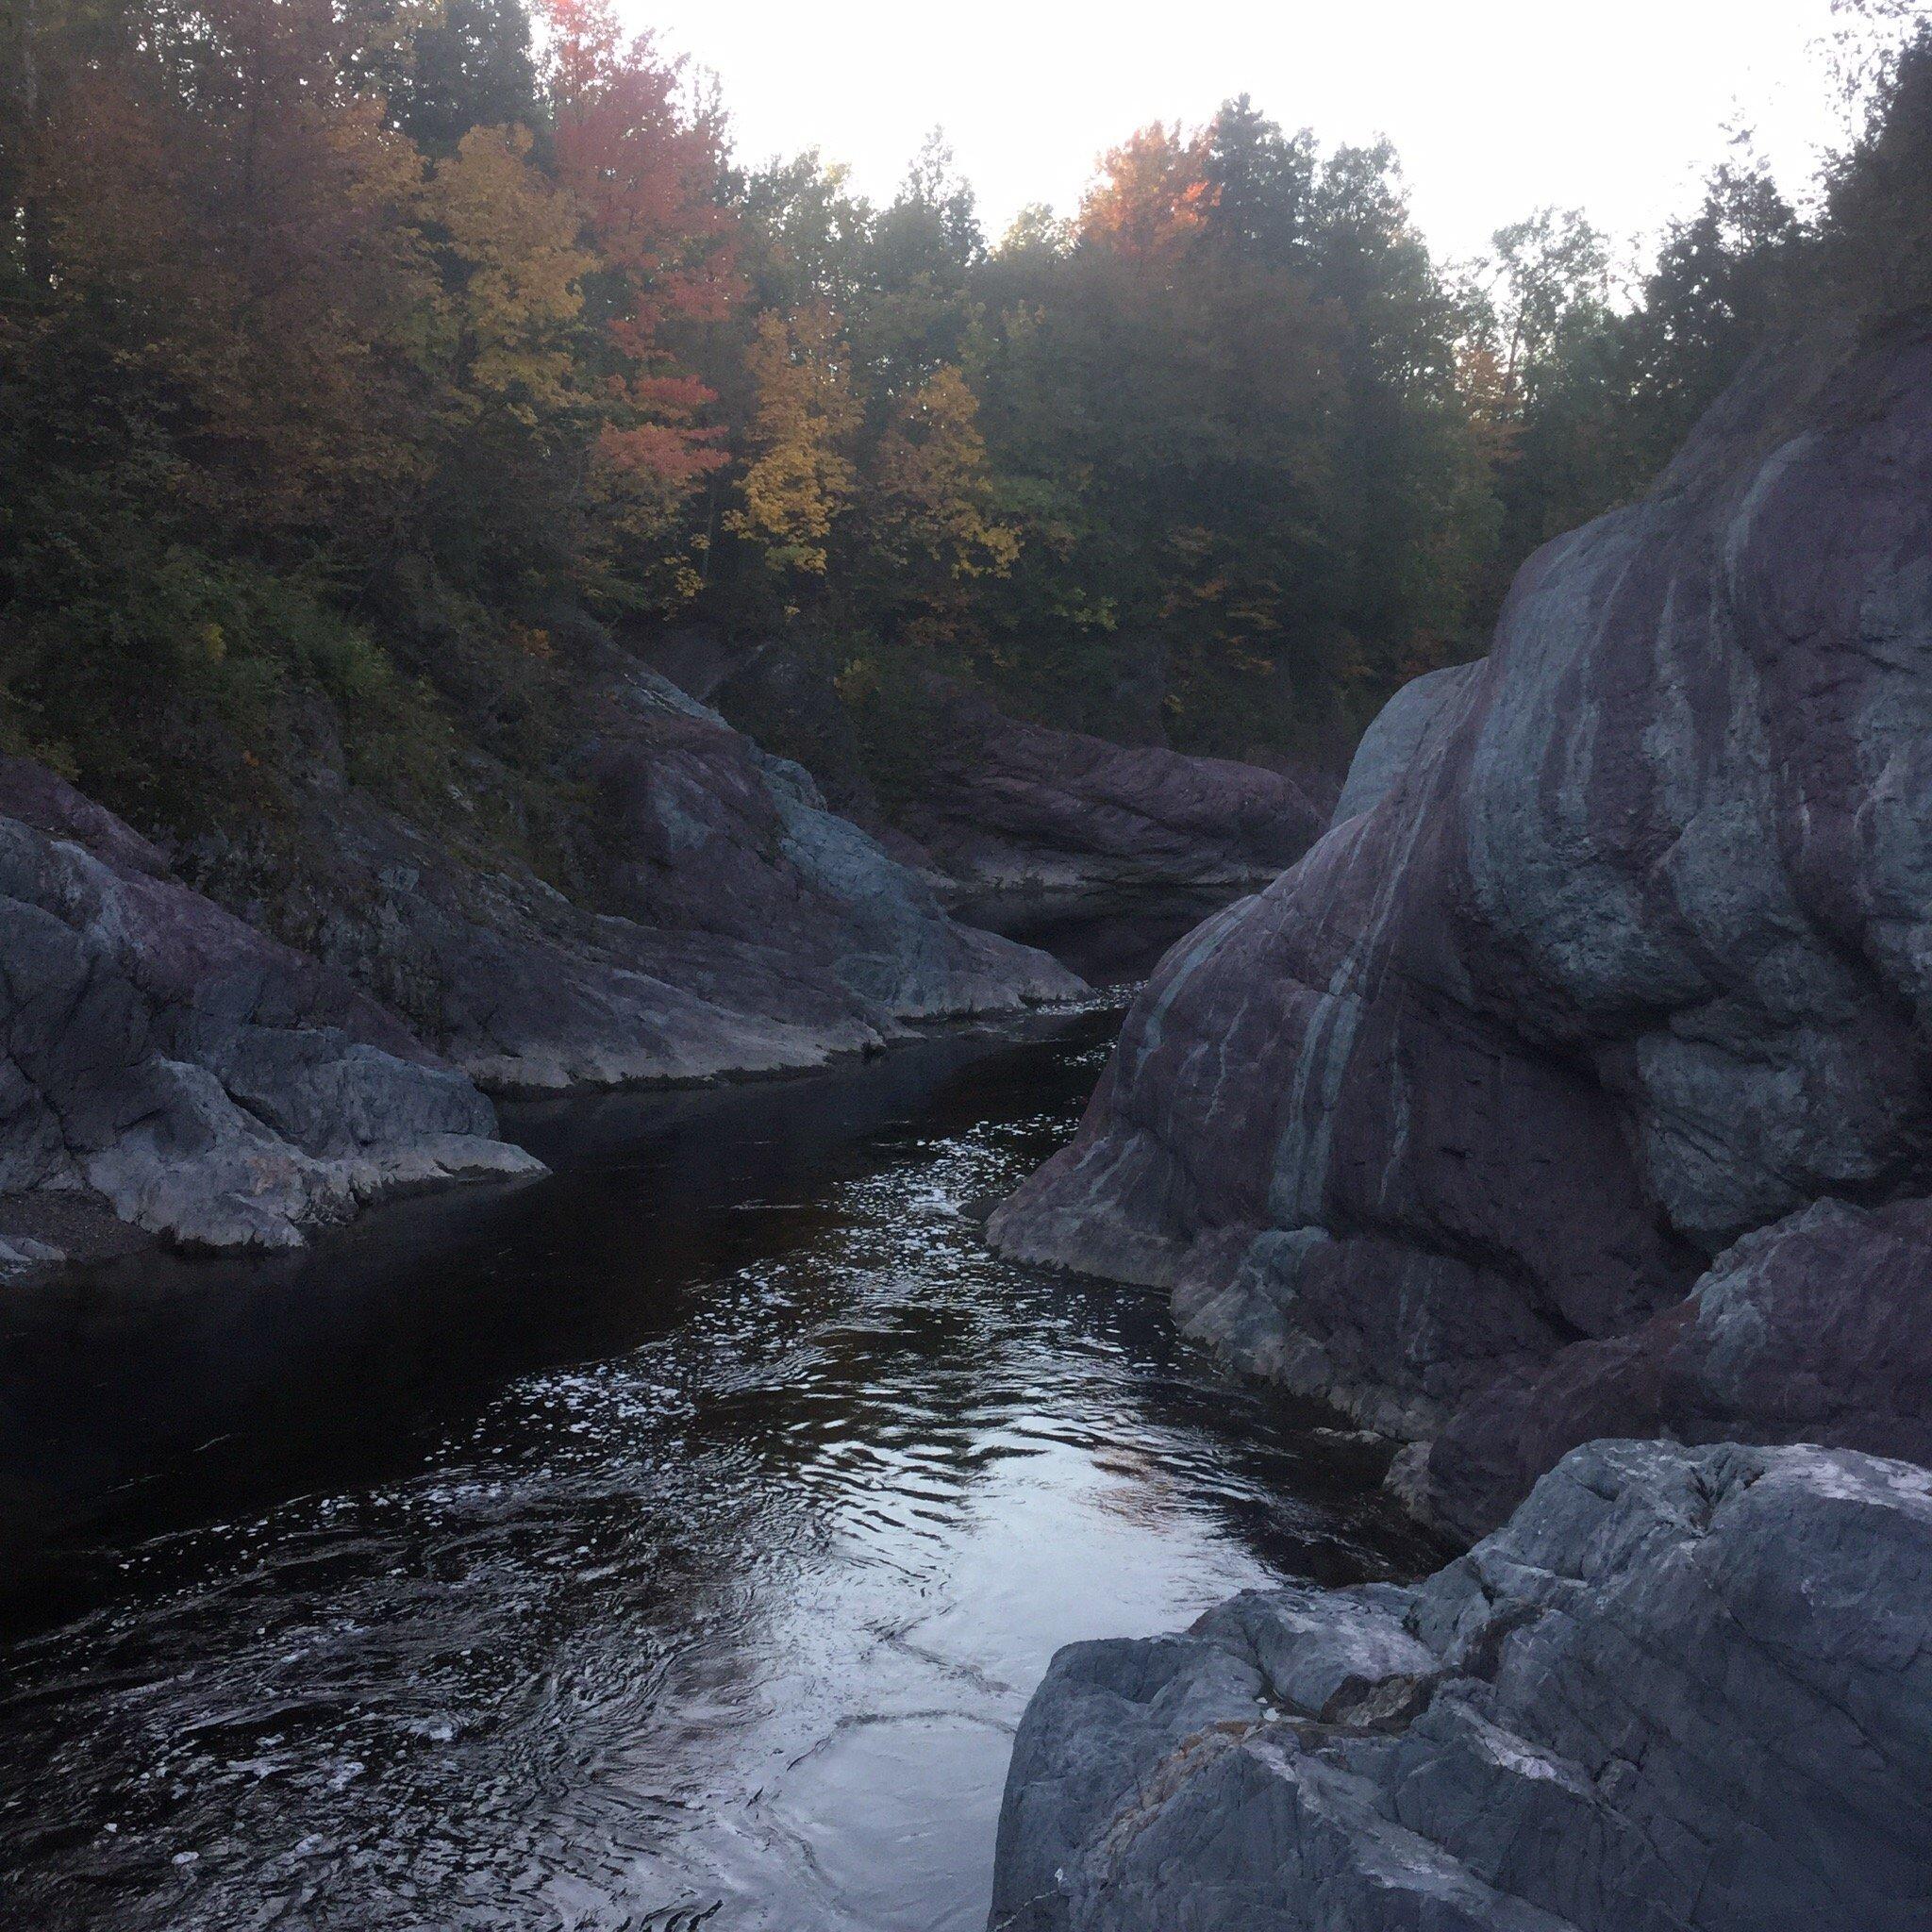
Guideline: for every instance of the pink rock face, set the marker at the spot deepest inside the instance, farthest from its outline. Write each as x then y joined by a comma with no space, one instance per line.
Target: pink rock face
1809,1331
1630,957
1006,804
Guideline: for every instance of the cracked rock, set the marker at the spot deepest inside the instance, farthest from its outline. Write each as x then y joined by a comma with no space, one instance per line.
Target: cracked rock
168,1063
1683,1689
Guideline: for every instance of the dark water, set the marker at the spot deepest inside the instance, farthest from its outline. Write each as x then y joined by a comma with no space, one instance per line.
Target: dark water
672,1543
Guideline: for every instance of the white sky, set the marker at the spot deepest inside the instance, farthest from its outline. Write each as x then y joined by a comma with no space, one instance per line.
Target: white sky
1496,106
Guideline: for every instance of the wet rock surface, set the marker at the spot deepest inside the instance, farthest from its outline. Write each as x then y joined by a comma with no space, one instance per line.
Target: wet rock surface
1683,1687
1616,955
170,1069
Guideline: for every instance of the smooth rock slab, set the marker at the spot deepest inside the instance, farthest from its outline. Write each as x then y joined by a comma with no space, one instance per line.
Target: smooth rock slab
1684,1690
721,920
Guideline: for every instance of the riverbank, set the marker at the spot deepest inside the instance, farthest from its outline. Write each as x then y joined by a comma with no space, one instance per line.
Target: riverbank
106,1388
683,1536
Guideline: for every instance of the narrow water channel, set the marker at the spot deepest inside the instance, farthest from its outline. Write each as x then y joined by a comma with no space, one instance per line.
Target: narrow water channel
672,1543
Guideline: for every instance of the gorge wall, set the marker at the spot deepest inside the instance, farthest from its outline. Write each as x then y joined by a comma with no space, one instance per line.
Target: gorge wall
994,804
1504,1120
231,1068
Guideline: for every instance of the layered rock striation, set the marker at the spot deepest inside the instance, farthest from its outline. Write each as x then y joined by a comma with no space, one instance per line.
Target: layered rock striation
1005,806
1617,955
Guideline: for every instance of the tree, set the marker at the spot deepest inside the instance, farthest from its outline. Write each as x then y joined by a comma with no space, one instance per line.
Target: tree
1259,183
800,479
471,67
1877,227
911,311
935,524
513,268
1150,198
804,234
1717,292
645,173
1551,279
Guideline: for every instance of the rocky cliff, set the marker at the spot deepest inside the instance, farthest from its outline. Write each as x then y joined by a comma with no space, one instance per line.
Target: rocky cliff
174,1070
723,920
1004,805
169,1068
997,804
1501,1120
1683,1691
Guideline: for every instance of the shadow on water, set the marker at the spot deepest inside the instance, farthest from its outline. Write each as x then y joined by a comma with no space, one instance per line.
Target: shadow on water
670,1541
158,1388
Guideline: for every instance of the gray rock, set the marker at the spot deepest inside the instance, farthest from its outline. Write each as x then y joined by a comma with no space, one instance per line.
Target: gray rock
167,1061
1629,956
1685,1689
1401,735
722,921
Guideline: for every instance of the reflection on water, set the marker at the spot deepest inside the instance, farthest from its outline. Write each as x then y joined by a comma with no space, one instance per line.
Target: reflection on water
671,1543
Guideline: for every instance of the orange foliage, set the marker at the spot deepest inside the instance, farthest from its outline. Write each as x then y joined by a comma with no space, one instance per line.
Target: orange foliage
254,259
1152,194
645,172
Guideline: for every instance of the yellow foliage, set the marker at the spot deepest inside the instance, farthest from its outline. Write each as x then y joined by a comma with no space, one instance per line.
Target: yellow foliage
513,244
935,488
799,480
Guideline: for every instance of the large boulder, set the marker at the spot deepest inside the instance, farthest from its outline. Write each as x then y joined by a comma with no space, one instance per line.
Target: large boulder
723,920
1401,735
1685,1689
172,1069
1630,958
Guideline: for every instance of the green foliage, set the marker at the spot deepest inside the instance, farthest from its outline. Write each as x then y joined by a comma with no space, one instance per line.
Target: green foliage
174,684
899,727
343,343
1877,230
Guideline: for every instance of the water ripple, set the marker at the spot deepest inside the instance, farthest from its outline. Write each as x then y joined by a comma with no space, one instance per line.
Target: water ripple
728,1629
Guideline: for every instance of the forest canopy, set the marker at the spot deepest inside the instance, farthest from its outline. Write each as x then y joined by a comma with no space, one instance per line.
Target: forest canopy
348,346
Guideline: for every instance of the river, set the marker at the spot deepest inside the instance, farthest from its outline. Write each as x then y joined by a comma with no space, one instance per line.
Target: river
672,1543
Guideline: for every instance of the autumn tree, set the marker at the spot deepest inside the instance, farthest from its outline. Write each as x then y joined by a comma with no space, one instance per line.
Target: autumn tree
645,172
1150,198
935,526
513,268
800,479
